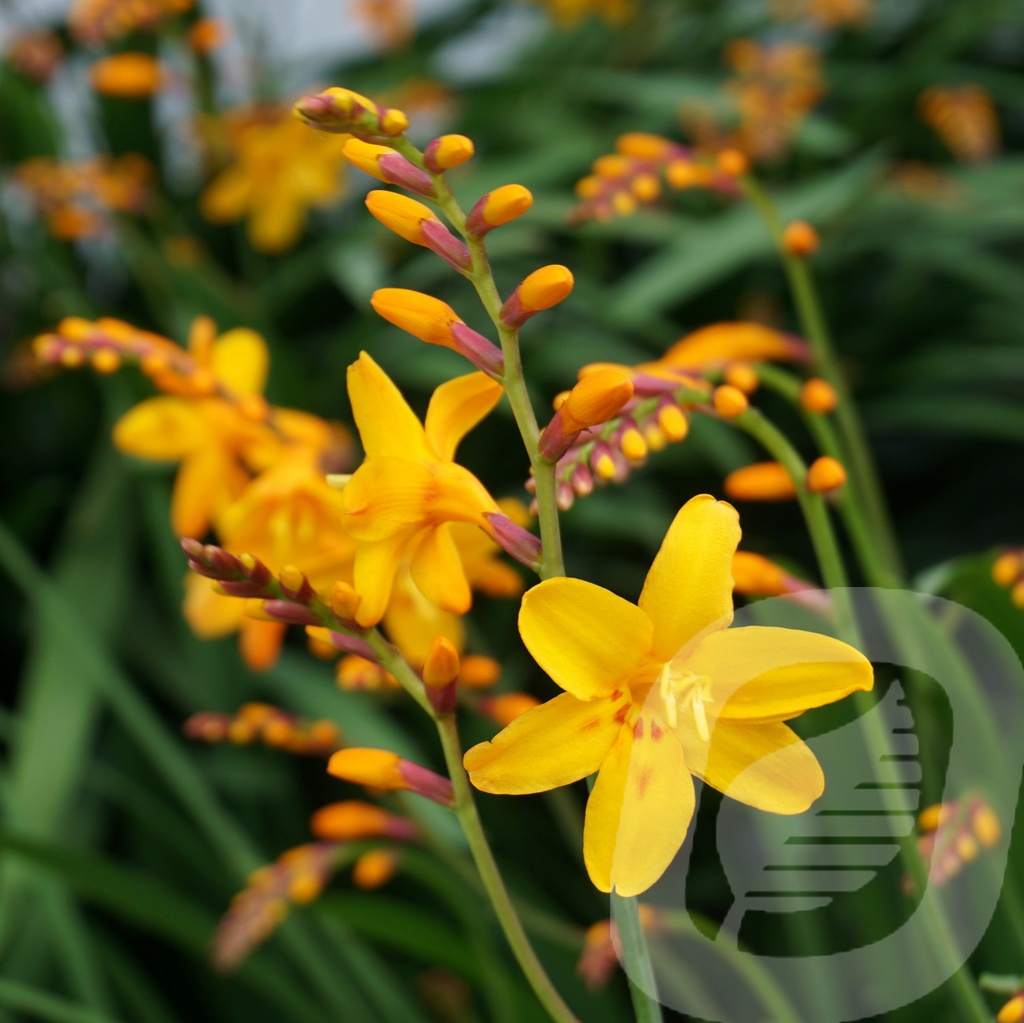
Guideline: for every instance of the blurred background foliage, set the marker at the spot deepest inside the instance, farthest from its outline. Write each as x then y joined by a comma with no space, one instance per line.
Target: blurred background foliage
122,842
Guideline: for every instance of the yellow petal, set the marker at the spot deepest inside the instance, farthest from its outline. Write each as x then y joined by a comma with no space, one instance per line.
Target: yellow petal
412,622
385,496
226,197
197,492
765,765
374,575
210,614
587,639
386,424
276,225
161,428
689,587
639,810
555,744
765,674
456,407
240,361
260,643
437,571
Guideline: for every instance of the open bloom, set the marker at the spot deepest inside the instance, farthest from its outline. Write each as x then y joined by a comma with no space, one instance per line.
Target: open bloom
660,691
402,500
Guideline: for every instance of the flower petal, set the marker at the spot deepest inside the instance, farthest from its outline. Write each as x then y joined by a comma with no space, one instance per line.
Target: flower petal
765,765
210,614
385,496
767,674
412,622
165,429
374,575
260,642
240,361
639,809
587,639
689,587
437,571
557,743
456,407
386,424
206,484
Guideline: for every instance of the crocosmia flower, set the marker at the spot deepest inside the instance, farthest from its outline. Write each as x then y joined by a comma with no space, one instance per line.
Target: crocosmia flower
663,690
401,501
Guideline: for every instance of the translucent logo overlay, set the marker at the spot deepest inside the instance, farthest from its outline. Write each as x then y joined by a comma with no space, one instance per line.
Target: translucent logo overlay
948,685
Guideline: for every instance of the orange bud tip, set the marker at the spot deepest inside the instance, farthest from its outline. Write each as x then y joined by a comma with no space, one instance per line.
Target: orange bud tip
447,152
733,163
743,377
441,668
800,239
762,481
818,396
374,869
543,289
506,707
825,475
499,207
729,401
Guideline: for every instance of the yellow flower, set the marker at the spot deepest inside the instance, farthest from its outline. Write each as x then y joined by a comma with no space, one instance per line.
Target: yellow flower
280,170
212,437
660,691
401,502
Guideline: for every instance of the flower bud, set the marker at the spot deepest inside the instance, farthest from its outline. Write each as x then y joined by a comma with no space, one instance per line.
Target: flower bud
344,601
1007,568
417,223
435,322
742,376
818,396
800,239
382,769
733,163
825,475
645,146
729,401
756,576
127,75
543,289
478,672
632,444
497,208
447,152
342,111
595,399
386,165
374,869
762,481
506,707
673,422
520,543
354,819
441,668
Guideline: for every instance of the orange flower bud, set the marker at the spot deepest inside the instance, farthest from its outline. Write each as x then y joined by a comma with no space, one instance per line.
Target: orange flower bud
344,601
401,214
423,316
366,156
393,122
127,75
595,399
762,481
447,152
374,869
506,707
986,825
825,475
545,287
729,401
106,361
743,377
644,146
479,672
819,396
378,768
733,163
1007,568
499,207
1012,1011
441,667
800,239
755,575
932,816
354,819
633,445
207,34
673,423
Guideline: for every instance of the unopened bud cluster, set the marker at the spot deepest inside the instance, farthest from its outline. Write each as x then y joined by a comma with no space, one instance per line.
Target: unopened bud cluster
1008,571
953,834
260,722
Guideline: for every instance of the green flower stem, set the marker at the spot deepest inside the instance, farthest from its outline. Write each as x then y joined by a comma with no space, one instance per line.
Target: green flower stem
637,959
833,574
513,380
812,321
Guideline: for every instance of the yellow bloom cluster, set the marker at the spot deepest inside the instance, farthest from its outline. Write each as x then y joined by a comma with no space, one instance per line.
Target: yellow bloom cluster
96,21
964,117
77,197
274,172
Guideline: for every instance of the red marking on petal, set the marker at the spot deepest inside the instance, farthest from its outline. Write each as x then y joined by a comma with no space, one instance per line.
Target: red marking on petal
643,779
621,714
656,732
616,695
638,729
